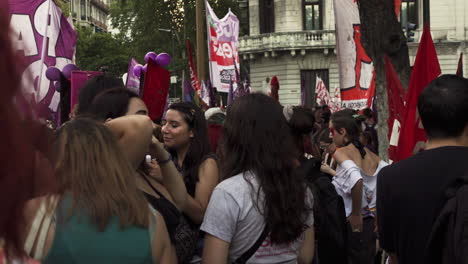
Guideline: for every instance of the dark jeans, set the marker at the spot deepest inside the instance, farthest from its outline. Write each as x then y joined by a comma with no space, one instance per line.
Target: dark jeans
361,245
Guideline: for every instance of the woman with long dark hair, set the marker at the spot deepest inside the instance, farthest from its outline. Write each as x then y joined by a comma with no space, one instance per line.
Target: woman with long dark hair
185,135
355,180
263,205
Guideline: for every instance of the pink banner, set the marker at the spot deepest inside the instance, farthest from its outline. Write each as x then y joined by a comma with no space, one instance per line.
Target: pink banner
133,81
223,42
30,21
78,79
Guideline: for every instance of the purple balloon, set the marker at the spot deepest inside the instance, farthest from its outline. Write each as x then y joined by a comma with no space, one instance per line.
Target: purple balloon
53,73
150,55
67,70
163,59
137,70
58,87
145,68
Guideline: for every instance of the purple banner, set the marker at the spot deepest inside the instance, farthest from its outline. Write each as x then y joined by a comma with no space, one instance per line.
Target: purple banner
30,21
133,81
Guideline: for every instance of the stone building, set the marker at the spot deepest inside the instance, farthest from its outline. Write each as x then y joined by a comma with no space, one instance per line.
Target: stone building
295,40
90,13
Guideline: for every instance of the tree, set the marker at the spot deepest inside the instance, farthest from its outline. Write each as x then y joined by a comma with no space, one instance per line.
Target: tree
97,50
146,23
382,35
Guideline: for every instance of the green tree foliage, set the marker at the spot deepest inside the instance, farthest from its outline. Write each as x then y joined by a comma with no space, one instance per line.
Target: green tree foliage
97,50
146,23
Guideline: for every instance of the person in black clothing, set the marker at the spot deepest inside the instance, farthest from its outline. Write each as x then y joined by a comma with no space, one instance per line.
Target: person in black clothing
411,192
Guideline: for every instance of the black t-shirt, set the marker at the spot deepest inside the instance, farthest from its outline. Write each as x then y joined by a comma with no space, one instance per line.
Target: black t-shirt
410,195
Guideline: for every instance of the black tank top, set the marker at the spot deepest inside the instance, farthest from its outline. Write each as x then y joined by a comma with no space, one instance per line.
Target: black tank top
182,236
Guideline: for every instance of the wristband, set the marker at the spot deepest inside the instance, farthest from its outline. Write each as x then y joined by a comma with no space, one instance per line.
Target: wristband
162,162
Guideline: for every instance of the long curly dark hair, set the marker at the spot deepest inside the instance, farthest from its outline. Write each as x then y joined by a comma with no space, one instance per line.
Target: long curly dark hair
257,138
199,146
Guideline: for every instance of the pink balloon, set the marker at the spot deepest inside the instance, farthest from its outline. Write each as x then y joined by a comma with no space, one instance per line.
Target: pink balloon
53,73
150,55
137,70
67,70
163,59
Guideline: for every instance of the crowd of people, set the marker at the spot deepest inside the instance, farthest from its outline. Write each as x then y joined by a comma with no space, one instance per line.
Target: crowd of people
259,183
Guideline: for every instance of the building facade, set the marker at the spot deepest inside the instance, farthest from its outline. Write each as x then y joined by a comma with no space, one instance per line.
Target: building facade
91,13
295,41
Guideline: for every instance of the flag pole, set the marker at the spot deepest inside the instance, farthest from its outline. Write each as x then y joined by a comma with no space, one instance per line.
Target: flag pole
43,51
200,16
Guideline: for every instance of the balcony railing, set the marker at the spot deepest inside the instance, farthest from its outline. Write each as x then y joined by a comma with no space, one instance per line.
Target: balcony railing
287,41
101,5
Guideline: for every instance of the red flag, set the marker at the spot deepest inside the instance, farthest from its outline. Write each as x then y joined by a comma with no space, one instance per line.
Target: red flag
397,8
193,73
396,105
155,90
460,66
426,68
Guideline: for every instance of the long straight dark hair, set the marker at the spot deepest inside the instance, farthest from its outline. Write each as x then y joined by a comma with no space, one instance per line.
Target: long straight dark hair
200,145
257,139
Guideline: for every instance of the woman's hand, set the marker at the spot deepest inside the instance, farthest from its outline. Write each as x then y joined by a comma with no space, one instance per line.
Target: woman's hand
355,220
157,149
154,170
327,169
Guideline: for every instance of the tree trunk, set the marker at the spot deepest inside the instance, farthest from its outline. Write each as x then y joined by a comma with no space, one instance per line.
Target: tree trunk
382,35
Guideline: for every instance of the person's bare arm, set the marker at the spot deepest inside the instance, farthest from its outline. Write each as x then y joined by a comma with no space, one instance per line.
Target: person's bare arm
161,248
307,251
133,133
208,179
172,179
215,250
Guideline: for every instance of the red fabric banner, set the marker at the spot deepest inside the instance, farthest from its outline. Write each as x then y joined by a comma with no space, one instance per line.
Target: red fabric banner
193,73
426,68
396,105
155,90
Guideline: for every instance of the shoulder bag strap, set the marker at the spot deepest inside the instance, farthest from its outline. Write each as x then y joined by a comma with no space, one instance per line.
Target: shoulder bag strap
249,253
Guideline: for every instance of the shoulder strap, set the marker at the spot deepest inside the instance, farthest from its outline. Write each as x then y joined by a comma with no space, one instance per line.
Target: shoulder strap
249,253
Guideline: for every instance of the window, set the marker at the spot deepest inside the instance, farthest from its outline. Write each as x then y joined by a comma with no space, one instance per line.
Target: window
83,9
312,13
308,81
409,12
267,16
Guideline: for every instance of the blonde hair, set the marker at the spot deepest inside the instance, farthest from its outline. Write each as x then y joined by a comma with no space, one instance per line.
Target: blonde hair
92,168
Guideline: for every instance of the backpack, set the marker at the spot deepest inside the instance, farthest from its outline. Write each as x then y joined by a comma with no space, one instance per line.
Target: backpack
329,215
448,242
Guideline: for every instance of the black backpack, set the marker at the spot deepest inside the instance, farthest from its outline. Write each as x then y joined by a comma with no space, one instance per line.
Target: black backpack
448,242
329,215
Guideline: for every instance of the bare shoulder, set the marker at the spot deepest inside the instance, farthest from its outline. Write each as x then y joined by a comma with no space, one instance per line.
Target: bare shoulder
342,154
208,165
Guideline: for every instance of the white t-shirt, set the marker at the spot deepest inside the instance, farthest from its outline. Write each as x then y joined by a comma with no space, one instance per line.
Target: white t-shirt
232,216
347,175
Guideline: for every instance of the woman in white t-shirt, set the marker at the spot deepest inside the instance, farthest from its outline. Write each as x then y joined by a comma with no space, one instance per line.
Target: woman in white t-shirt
262,191
356,180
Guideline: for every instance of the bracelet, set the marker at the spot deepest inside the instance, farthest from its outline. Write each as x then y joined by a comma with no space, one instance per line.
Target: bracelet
162,162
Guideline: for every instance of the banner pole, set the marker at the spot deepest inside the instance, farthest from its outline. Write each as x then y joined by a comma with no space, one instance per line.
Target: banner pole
43,51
